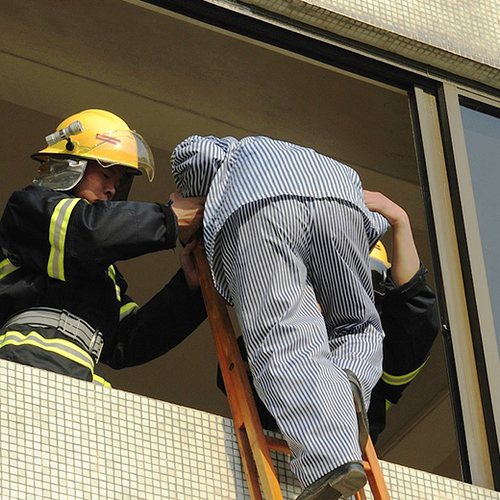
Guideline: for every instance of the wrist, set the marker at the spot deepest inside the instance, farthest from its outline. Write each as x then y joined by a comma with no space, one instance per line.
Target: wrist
401,221
171,223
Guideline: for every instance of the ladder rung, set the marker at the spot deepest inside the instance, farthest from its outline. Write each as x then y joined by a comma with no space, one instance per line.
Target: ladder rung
277,444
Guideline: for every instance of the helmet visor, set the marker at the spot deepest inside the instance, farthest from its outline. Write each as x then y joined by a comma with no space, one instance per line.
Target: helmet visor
122,147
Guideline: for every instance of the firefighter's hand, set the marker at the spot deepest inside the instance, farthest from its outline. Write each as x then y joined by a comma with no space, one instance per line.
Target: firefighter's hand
377,202
405,258
189,213
189,267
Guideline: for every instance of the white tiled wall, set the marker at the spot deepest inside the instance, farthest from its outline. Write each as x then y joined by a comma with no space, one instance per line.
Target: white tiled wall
458,36
64,439
465,27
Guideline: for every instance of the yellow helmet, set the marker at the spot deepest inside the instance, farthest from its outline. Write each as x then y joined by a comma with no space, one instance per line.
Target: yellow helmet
380,253
95,134
379,264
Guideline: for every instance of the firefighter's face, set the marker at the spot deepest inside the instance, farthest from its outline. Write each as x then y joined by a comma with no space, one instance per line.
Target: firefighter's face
99,183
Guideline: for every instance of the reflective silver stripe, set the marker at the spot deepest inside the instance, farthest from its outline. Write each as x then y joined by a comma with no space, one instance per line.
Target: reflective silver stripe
61,347
6,267
70,325
128,309
57,237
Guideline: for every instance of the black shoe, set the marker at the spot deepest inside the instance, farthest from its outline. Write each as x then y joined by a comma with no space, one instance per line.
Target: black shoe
363,426
344,481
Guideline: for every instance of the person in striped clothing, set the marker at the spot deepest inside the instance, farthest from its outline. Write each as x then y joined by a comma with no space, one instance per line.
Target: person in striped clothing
408,311
286,228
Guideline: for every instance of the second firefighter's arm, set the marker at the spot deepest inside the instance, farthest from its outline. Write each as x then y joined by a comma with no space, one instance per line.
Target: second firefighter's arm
150,331
405,259
409,313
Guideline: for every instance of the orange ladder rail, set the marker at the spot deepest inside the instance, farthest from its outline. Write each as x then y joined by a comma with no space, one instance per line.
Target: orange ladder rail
254,446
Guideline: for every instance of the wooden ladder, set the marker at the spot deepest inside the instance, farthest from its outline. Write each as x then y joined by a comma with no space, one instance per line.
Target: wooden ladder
254,446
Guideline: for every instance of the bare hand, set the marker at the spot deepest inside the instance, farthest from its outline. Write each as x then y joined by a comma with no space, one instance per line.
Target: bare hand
188,265
405,259
189,213
377,202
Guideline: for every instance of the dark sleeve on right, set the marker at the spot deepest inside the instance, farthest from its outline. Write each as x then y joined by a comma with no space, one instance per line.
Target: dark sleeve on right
410,321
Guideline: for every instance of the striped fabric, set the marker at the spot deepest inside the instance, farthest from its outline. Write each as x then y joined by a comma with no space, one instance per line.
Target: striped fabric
234,173
285,229
280,258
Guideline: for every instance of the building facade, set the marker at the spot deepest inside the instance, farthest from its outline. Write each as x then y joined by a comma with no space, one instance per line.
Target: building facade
406,93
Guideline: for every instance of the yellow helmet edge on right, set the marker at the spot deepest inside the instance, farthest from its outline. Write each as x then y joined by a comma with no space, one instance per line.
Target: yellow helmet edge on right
380,253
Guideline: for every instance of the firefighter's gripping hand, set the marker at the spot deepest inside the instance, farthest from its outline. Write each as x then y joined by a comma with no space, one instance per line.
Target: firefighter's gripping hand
189,213
188,265
377,202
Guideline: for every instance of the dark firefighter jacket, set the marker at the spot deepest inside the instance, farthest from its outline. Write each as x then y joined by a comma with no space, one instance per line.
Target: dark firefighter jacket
410,321
59,251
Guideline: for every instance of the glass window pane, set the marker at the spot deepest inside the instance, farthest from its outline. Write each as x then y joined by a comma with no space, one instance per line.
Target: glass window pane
482,137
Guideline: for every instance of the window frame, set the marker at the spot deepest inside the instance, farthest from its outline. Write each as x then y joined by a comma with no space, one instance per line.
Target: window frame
483,335
439,142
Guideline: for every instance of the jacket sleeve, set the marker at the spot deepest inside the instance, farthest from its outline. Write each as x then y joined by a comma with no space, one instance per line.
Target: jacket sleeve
152,330
410,321
196,160
66,237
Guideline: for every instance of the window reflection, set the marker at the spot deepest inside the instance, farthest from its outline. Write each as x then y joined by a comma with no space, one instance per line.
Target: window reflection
482,137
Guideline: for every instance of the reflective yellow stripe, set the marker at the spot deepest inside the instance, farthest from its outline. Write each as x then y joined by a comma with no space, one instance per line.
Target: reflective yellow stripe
101,381
127,309
6,267
57,237
388,404
112,275
401,379
61,347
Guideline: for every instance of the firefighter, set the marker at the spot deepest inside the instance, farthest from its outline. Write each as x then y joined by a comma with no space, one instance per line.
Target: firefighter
407,307
64,304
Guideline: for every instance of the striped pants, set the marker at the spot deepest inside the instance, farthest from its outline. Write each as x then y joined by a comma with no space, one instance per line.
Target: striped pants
281,258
